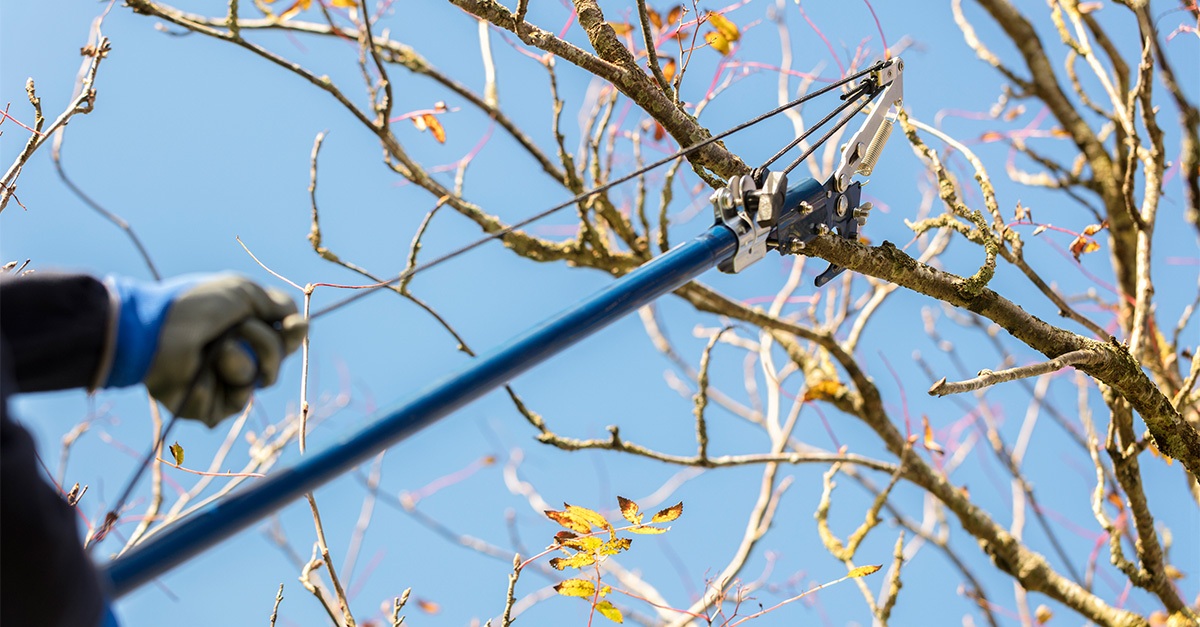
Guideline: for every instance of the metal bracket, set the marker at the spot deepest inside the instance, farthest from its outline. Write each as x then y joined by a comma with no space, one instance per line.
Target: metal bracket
864,147
751,213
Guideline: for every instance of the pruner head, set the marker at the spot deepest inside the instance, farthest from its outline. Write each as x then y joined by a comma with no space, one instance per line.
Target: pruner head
765,213
820,209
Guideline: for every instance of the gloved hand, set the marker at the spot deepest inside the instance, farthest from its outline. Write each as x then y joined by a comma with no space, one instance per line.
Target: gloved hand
203,341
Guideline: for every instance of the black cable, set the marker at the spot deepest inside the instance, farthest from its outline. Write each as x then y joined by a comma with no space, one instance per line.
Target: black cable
836,127
584,196
849,99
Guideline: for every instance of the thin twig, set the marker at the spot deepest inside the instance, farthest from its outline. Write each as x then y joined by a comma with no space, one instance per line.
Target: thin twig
987,377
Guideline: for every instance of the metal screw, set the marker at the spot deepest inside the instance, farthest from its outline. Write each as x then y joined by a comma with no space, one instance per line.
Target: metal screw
842,205
805,208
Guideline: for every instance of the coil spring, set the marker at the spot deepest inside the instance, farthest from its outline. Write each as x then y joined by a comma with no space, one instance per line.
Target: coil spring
875,148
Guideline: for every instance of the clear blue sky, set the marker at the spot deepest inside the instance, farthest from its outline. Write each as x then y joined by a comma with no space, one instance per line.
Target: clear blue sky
196,142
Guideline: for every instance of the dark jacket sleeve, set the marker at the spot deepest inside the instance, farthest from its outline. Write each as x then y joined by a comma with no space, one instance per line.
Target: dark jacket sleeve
57,326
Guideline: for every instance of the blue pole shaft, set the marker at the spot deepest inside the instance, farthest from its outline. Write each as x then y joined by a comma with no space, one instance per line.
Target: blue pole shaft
226,517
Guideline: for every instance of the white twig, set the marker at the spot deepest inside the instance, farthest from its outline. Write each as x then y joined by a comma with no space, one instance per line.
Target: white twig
987,377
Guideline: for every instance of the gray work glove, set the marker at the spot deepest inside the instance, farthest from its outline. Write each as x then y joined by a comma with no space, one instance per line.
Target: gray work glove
202,343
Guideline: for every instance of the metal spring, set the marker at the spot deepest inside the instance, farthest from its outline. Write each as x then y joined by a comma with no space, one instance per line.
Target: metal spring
877,143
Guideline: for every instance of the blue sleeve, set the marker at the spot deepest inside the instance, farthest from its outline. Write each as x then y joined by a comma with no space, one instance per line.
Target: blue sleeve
143,309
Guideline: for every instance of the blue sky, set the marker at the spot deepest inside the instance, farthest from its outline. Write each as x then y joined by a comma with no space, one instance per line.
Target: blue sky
196,142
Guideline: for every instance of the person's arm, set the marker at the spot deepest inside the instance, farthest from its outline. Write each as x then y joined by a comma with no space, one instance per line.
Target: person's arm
202,343
57,329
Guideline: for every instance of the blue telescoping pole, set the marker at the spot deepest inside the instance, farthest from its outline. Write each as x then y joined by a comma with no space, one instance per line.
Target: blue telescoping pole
223,518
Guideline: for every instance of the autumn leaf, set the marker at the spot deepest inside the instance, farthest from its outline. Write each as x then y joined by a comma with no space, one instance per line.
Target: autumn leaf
823,391
580,588
345,4
863,571
177,453
563,536
668,70
675,14
991,136
429,607
297,7
630,510
1043,614
1013,113
728,29
610,612
1041,229
621,28
1083,245
588,544
1058,132
659,132
718,42
1172,572
430,121
669,514
588,516
655,18
615,546
579,560
1022,212
930,443
648,530
1093,229
569,521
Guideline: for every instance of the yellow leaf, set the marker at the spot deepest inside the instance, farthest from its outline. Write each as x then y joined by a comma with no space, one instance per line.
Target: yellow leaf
345,4
1043,614
668,70
621,28
580,588
823,391
930,443
718,42
578,560
429,607
863,571
610,612
584,544
298,6
991,136
630,510
435,126
655,18
588,516
1093,229
675,14
1058,132
728,29
177,453
669,514
570,521
1083,245
1013,113
1173,573
1041,228
648,530
612,547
